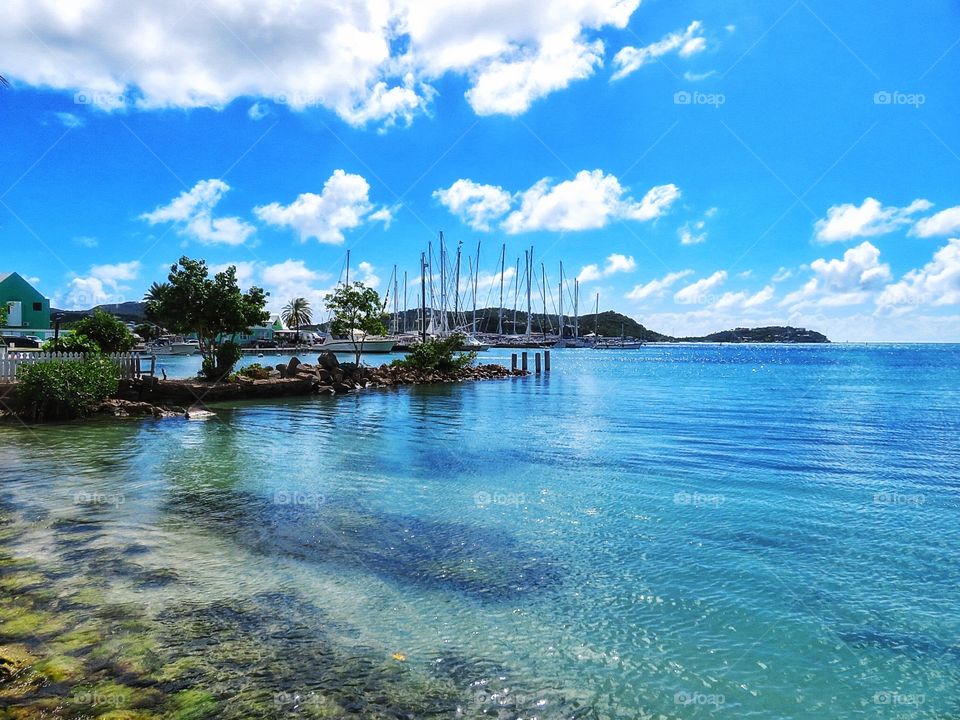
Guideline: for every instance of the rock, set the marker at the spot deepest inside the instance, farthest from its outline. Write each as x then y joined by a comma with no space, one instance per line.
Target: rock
282,369
325,376
341,388
328,361
197,413
337,374
325,390
293,365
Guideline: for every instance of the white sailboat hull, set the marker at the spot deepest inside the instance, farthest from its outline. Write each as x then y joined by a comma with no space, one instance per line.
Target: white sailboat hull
380,345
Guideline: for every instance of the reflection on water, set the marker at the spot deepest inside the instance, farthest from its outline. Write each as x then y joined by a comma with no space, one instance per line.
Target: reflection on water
674,532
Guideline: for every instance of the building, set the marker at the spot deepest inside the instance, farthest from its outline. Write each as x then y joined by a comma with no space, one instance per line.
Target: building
28,312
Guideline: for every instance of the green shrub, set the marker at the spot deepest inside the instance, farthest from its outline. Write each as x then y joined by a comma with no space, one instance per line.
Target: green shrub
71,343
227,355
256,371
106,331
61,389
437,355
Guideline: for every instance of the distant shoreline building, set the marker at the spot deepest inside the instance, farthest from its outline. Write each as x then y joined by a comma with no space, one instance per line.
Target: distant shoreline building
28,311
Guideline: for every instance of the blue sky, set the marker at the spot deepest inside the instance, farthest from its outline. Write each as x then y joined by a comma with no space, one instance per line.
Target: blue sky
701,165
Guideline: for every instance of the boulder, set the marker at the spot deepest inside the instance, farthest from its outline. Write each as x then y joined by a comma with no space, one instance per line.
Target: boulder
293,365
328,361
325,390
340,388
282,369
337,374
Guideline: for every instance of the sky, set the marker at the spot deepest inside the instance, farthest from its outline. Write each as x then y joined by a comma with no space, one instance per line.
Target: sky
700,165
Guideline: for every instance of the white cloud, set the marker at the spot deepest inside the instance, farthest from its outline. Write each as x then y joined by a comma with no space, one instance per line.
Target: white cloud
839,282
936,283
103,284
588,202
944,222
697,77
245,272
343,204
86,241
685,42
699,292
366,60
616,263
475,204
744,300
192,213
693,232
69,120
760,297
782,274
367,275
118,272
656,288
871,218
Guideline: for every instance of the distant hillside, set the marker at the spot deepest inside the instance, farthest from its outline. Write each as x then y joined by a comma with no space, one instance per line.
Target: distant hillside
775,334
127,311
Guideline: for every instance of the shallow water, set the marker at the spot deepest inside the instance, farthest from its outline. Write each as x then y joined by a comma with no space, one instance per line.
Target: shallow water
678,532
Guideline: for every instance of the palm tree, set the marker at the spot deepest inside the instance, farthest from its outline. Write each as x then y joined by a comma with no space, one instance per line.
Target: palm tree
297,313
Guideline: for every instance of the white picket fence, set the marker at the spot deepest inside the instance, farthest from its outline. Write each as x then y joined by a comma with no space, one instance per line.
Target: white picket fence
131,365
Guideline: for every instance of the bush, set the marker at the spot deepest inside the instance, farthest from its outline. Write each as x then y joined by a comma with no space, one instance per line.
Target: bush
256,371
106,331
227,355
61,389
437,355
71,343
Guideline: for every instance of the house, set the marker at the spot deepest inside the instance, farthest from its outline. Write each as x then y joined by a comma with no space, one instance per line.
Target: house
28,312
259,333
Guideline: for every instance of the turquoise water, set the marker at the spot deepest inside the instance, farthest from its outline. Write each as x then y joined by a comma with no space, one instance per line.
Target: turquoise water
676,532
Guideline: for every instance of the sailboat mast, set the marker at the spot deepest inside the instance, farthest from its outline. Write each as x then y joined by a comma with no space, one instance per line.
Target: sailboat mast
430,267
529,259
443,286
560,306
456,289
576,308
516,293
476,273
423,298
543,293
396,306
596,317
347,282
404,301
503,260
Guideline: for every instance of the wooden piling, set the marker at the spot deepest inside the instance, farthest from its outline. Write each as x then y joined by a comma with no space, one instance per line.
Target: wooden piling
546,361
536,362
513,362
523,361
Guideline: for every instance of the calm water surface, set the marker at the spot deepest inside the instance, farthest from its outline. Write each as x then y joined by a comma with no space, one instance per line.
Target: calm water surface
675,532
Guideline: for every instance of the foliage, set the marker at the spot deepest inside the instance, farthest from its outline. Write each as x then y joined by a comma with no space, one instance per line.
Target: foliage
148,331
65,388
191,302
73,343
106,331
296,313
227,355
255,371
357,313
437,355
4,313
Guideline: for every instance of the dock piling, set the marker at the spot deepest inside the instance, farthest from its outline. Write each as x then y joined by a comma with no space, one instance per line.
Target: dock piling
536,362
523,361
546,361
513,362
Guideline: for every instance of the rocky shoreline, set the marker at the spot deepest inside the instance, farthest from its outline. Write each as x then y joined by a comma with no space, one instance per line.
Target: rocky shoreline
152,396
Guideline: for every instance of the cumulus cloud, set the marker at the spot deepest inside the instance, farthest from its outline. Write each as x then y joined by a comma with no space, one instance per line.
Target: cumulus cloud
343,204
284,281
694,232
842,281
684,42
936,283
587,202
103,284
944,222
475,204
782,274
656,288
192,213
700,291
258,111
616,263
366,60
870,218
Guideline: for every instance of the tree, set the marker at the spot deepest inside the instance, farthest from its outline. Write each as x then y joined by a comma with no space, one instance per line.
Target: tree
191,302
4,313
357,313
106,331
148,331
297,312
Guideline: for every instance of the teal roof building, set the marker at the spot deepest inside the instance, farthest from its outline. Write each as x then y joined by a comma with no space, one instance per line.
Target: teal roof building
27,309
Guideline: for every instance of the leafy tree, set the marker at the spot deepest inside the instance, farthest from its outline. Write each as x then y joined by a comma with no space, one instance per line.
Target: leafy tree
296,313
191,302
74,343
106,331
437,355
4,313
357,313
148,331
